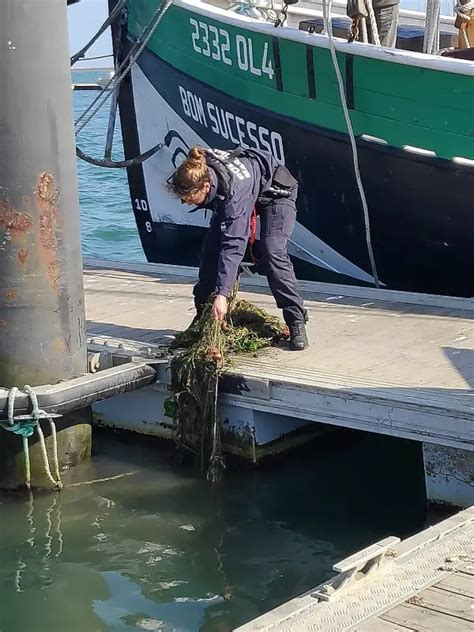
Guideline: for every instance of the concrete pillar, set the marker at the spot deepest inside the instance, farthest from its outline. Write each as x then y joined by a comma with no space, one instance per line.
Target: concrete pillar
449,475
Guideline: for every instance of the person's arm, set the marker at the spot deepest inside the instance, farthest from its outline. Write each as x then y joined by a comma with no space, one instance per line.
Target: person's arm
235,229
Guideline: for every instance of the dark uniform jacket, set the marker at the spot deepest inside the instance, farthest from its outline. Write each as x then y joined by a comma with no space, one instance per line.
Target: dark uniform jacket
252,174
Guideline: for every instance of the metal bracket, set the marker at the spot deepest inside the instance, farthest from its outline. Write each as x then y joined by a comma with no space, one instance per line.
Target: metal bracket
356,568
39,415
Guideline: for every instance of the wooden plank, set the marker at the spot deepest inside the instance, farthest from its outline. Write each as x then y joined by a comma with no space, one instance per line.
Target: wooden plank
98,267
379,625
448,603
459,583
418,618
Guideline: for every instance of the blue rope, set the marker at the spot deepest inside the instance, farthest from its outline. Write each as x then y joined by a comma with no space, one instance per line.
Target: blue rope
21,427
24,428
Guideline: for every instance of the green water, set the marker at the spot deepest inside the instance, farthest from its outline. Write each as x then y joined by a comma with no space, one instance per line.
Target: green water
157,550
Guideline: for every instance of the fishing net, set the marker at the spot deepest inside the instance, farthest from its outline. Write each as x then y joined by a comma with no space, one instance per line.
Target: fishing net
201,353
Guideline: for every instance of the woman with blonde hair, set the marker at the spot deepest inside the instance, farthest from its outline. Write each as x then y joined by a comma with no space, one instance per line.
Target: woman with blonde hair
236,186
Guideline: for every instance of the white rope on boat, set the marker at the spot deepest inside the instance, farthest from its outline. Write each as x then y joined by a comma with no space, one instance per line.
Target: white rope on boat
363,30
355,156
327,24
432,21
373,22
467,43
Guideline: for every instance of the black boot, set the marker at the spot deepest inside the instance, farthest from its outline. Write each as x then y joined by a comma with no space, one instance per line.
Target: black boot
298,337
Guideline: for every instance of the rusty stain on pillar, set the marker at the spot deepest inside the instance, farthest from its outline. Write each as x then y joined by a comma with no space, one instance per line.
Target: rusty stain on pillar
42,321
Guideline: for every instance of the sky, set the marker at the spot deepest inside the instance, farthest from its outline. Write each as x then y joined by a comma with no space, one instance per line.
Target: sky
85,18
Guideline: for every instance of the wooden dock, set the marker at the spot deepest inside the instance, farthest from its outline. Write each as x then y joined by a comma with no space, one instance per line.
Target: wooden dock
425,583
394,363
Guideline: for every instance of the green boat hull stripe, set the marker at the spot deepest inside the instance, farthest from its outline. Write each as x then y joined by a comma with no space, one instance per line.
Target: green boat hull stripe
405,105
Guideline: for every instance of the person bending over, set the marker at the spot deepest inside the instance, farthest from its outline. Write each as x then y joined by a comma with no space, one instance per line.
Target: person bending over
236,186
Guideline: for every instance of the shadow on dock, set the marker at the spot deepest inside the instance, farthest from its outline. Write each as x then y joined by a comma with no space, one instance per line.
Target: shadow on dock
156,336
463,362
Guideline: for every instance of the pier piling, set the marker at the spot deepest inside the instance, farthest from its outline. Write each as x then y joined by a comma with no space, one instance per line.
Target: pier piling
42,331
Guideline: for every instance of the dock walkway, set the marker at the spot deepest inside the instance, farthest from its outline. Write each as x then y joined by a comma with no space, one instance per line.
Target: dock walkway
425,583
394,363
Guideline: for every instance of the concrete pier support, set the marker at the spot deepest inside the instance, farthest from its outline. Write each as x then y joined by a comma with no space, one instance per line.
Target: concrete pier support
74,445
42,331
449,475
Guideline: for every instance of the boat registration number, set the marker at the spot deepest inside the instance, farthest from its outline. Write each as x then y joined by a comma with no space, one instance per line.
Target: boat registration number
232,50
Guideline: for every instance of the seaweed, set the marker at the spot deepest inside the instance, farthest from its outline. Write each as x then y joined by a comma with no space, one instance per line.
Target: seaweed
201,353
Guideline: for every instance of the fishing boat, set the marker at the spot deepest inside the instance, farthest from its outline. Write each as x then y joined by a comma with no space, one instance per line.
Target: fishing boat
392,208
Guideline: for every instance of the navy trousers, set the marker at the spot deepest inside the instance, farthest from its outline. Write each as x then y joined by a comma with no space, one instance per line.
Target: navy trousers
277,221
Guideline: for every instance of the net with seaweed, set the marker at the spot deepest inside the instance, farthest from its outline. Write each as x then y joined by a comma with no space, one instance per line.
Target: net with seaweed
201,354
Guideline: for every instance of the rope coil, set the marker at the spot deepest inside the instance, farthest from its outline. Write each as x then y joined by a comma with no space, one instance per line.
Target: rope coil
463,18
463,11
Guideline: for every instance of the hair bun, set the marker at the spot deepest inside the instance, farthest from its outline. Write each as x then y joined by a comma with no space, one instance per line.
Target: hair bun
196,157
191,175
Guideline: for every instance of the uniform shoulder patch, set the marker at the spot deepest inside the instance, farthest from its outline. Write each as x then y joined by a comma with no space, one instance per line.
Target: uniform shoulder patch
235,166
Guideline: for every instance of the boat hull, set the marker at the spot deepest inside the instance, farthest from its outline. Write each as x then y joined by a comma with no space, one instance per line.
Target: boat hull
420,207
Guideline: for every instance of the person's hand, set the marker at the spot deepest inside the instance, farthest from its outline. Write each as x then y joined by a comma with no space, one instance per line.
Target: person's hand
219,308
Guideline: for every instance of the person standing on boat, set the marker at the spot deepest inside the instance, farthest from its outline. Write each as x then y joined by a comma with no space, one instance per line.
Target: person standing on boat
236,186
386,18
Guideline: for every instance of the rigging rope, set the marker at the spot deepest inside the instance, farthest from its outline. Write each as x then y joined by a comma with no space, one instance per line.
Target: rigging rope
124,68
432,22
373,22
363,28
80,54
355,156
327,6
112,86
119,164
